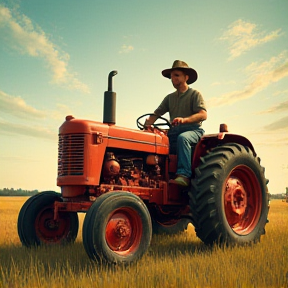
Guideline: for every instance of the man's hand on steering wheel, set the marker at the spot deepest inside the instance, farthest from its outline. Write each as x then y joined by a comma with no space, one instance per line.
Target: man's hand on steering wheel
150,122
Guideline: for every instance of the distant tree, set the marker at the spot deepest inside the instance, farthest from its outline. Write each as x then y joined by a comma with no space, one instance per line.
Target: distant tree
17,192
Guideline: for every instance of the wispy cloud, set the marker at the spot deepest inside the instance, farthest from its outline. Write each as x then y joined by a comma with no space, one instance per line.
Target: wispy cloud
8,128
281,107
16,106
242,36
280,124
22,35
126,49
19,109
259,75
280,92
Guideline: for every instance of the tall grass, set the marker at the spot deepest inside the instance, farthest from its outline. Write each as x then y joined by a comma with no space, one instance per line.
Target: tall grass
172,261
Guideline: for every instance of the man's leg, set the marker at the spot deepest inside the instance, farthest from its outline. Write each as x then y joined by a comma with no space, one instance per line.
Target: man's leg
185,141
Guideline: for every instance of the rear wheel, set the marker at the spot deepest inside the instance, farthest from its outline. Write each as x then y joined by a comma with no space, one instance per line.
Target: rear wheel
117,228
229,196
36,224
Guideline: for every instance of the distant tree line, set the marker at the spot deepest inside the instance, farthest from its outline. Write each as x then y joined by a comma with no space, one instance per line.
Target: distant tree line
277,196
283,196
17,192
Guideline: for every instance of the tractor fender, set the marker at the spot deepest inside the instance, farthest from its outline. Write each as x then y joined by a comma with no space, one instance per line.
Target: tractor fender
209,141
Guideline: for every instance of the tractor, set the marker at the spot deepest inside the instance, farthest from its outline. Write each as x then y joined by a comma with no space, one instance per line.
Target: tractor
120,178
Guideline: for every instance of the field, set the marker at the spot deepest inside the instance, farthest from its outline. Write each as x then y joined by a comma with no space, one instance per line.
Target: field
172,261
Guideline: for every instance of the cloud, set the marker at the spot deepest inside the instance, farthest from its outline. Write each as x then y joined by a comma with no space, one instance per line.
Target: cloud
243,36
259,75
280,92
280,124
217,83
281,107
8,128
16,106
126,49
23,36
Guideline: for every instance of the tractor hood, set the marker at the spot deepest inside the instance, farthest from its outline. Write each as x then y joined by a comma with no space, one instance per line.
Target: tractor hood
117,137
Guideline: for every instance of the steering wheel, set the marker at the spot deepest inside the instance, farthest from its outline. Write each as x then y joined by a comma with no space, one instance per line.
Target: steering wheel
155,125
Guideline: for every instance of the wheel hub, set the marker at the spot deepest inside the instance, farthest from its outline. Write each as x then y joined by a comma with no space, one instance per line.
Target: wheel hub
119,233
51,224
235,200
48,229
122,229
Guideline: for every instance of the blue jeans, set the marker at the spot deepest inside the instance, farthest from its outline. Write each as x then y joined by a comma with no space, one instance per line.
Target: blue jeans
182,140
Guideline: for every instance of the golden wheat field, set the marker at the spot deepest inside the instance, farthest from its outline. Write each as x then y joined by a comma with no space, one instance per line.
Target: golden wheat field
172,261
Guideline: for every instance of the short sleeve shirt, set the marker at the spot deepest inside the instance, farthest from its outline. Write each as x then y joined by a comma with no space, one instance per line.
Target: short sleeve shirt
182,105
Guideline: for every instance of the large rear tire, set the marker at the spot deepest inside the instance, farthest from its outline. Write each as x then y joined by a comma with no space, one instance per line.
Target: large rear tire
36,224
229,196
117,228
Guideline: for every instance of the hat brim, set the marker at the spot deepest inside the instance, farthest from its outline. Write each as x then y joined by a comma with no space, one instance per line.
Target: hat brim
193,76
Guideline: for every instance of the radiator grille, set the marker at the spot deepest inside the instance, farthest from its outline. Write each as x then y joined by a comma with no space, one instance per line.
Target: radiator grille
71,154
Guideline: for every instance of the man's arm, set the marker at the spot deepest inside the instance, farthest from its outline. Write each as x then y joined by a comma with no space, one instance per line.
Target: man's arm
150,120
195,118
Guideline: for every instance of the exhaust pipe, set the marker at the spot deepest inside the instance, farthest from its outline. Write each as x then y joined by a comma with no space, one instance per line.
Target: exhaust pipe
109,109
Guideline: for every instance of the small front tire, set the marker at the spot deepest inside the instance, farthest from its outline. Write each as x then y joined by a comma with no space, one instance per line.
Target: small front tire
117,228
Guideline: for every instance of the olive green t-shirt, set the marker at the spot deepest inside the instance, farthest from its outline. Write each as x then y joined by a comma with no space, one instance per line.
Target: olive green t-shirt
183,105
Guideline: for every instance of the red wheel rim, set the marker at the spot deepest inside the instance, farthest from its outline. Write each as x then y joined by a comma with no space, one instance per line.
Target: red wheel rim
242,200
49,230
124,231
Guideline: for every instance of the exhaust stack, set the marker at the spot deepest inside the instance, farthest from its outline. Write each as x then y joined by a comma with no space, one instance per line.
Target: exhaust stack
109,108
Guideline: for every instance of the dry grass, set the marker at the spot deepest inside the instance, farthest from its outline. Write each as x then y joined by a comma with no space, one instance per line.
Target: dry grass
174,261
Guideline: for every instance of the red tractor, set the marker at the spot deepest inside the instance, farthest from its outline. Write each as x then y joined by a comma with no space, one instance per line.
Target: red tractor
120,177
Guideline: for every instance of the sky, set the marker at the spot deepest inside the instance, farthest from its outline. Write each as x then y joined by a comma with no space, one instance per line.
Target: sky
55,57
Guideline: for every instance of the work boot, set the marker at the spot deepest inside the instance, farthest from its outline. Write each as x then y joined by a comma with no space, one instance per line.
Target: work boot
181,181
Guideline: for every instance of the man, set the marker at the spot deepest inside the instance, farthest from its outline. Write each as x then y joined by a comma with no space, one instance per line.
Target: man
187,111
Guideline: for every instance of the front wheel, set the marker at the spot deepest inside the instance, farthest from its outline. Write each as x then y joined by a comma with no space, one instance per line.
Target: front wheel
229,196
117,228
36,224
